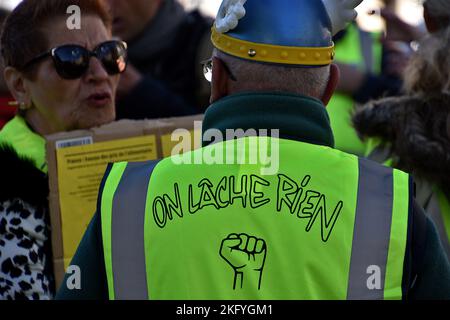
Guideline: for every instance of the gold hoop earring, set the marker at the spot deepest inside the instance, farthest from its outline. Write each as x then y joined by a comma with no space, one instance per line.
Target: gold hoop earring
23,106
13,103
20,105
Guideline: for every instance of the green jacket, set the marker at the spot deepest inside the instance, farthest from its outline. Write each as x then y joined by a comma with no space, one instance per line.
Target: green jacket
289,113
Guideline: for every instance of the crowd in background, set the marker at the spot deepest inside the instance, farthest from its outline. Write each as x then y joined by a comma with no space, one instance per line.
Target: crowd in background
392,105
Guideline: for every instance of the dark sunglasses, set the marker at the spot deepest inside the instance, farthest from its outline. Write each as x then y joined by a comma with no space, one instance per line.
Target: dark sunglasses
72,61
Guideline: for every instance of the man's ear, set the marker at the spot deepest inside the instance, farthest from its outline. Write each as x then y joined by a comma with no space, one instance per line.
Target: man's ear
219,82
332,84
16,84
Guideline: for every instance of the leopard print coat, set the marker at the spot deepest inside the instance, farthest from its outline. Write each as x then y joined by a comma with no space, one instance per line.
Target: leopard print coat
25,252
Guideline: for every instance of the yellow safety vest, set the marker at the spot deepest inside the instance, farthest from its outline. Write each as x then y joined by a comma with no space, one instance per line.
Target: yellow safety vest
326,226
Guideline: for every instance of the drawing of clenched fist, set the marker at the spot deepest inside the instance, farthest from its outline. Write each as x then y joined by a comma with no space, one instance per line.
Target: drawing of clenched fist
246,255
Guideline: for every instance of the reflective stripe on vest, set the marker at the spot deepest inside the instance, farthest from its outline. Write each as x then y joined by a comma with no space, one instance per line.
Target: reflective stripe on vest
361,49
125,208
436,203
369,236
373,224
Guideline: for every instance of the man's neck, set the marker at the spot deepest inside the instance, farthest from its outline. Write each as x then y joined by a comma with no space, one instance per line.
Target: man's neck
296,117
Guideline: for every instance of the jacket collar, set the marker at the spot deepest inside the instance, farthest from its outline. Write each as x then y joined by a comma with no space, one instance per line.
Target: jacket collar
297,117
25,142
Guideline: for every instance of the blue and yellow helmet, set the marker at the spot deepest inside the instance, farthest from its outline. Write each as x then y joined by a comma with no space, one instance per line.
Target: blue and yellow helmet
289,32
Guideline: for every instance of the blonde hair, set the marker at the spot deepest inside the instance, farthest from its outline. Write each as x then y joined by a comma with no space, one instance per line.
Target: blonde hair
428,72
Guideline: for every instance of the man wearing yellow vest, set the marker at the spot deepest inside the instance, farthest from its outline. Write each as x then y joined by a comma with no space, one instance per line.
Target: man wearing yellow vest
370,69
257,215
358,55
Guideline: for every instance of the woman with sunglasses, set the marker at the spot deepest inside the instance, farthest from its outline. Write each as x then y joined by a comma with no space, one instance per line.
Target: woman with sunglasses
63,78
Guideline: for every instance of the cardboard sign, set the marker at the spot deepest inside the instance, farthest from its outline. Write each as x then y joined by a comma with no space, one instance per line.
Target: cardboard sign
77,162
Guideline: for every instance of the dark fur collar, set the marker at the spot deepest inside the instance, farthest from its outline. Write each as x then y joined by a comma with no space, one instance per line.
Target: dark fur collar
416,131
21,179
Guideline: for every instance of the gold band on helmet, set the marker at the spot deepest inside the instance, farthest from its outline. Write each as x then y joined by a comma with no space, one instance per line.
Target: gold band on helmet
309,56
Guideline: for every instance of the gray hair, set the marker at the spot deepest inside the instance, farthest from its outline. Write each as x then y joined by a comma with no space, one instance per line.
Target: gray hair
255,76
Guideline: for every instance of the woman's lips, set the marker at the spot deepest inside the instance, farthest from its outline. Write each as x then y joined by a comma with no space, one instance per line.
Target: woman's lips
99,99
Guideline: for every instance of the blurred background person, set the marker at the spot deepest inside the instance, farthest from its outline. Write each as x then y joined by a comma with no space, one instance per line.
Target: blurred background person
63,80
390,4
166,48
7,112
412,132
371,66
